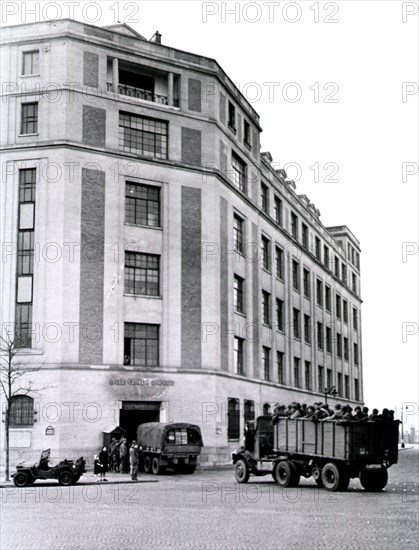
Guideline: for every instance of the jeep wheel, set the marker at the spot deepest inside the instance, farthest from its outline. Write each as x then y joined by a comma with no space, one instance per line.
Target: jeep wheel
21,480
65,478
242,471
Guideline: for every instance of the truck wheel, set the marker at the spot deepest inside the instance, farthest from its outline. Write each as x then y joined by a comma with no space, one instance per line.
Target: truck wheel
373,480
286,474
65,478
155,465
317,475
147,464
334,477
242,472
21,480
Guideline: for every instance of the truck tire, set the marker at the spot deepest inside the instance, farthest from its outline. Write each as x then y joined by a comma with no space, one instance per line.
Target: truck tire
373,480
66,478
147,464
335,477
21,480
242,471
155,465
286,474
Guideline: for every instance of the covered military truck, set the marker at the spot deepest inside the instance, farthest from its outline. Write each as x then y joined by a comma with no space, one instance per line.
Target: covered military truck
176,446
330,451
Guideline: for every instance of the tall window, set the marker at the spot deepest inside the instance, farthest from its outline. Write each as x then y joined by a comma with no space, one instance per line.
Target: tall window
146,136
246,132
238,355
30,63
307,375
266,253
233,419
141,345
337,272
280,368
142,274
264,197
307,283
279,261
320,379
328,297
344,273
329,378
320,336
249,411
280,314
295,275
339,344
340,385
347,387
266,307
294,225
356,388
23,326
142,204
345,311
238,240
354,287
326,255
278,210
304,230
346,349
266,360
338,306
297,376
328,339
307,329
238,294
319,289
317,250
355,318
238,172
21,411
29,122
296,322
231,116
356,354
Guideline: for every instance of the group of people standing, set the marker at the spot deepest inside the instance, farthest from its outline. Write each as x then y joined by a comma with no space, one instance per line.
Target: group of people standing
118,458
322,411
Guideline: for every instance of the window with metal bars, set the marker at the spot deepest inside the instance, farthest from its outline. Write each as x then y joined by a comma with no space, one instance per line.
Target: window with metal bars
21,411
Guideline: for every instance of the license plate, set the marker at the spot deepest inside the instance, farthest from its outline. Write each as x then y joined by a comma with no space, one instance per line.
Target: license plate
373,466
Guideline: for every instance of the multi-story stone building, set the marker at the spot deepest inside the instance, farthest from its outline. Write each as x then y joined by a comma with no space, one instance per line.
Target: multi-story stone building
155,264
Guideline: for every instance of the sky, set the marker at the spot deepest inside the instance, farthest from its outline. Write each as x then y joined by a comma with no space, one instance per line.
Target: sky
336,87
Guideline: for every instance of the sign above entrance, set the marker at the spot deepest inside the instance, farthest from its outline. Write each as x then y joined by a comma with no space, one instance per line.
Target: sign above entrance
141,405
140,382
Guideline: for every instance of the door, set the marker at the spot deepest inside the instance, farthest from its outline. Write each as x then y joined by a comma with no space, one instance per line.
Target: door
134,414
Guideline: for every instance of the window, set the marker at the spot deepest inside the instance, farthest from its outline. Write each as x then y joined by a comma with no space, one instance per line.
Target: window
296,322
338,306
329,378
249,411
23,326
141,345
279,260
21,411
29,118
319,292
280,314
30,63
27,182
238,172
304,230
320,335
320,379
266,360
264,196
231,116
142,135
238,294
280,367
142,274
142,204
326,255
238,355
295,275
266,309
306,282
328,339
233,419
238,226
266,409
294,225
297,381
246,132
328,297
307,375
266,249
356,354
355,318
26,252
354,287
337,272
339,344
347,388
345,311
278,210
344,273
345,348
307,329
340,385
317,248
356,388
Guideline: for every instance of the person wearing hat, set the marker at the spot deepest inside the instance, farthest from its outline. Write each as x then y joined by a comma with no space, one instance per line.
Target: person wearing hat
133,460
123,455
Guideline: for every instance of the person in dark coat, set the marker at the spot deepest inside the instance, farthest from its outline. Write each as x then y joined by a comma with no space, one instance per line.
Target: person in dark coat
97,467
123,455
103,459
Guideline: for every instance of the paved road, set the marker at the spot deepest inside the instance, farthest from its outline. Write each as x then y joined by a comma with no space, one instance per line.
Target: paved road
210,511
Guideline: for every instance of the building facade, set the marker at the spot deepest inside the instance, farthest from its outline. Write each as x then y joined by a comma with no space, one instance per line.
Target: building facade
155,264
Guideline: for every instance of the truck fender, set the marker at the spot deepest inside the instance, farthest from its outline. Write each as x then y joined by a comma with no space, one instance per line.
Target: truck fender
248,457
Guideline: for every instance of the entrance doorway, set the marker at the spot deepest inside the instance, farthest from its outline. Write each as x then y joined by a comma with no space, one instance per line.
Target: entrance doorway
134,413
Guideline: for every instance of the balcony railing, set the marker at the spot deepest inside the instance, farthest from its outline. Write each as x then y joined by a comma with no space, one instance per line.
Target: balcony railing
139,93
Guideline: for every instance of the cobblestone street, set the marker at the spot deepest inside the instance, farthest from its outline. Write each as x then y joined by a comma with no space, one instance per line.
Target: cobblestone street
208,510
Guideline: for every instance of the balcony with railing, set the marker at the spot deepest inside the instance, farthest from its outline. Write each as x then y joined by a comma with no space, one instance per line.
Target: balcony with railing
140,93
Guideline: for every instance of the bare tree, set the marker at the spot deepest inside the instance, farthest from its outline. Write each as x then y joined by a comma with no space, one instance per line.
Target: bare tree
12,384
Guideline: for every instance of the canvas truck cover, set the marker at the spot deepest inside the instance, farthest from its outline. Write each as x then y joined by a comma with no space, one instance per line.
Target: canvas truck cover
153,434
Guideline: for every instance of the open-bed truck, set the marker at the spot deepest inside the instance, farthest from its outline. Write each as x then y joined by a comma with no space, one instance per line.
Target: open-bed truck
331,451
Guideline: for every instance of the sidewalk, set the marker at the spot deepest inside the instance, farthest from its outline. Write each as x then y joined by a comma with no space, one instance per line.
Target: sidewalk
90,479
